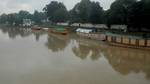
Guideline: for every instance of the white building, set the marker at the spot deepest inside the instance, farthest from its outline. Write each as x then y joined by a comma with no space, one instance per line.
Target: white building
119,27
27,22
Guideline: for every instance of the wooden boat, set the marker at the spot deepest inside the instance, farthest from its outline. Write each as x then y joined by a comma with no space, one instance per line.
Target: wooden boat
45,29
36,28
128,41
62,31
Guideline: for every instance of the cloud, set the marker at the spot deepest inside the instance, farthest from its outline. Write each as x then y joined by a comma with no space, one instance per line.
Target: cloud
11,6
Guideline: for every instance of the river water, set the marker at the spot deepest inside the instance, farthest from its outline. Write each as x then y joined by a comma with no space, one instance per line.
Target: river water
39,57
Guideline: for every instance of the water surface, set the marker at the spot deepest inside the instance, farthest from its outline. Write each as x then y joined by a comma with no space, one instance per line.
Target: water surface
39,57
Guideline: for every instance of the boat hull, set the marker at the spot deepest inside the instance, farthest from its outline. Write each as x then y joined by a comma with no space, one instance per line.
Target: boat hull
127,42
95,36
58,32
120,41
35,28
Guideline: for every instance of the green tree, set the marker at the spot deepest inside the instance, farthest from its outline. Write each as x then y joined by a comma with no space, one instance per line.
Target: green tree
87,12
118,13
96,13
24,15
135,16
74,14
145,13
15,18
11,18
139,15
80,12
56,12
83,10
3,18
38,17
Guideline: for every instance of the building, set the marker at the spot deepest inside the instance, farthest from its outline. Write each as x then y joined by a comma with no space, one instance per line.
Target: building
27,22
119,27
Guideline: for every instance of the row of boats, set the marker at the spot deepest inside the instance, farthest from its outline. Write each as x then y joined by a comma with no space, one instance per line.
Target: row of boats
129,41
122,40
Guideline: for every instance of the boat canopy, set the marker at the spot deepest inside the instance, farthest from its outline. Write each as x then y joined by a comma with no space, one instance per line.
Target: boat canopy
84,30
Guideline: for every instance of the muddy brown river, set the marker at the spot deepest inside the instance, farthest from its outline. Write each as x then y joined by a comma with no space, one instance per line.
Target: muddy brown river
39,57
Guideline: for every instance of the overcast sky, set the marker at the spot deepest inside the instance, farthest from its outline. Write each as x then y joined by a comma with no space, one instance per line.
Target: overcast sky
11,6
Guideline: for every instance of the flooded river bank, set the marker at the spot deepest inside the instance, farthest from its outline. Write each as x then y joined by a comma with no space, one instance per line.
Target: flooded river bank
39,57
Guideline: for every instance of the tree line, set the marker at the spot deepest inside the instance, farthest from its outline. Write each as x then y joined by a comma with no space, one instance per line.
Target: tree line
16,19
134,13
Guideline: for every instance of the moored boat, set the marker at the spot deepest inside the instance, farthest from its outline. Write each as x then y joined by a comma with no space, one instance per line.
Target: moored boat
91,33
45,29
62,31
128,41
36,28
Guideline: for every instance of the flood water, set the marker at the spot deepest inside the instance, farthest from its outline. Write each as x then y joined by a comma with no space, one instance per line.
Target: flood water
39,57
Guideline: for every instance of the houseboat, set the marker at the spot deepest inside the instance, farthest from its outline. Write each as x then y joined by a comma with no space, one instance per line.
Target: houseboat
91,33
116,39
128,41
62,31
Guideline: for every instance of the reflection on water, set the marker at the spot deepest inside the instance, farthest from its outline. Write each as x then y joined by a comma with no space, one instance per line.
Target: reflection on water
86,48
57,42
38,57
127,61
14,32
37,34
23,32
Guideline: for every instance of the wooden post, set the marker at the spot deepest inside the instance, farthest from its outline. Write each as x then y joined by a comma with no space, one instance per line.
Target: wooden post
106,38
146,43
129,41
121,40
137,42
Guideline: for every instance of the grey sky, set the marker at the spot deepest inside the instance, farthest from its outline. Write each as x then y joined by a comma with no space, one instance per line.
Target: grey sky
11,6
